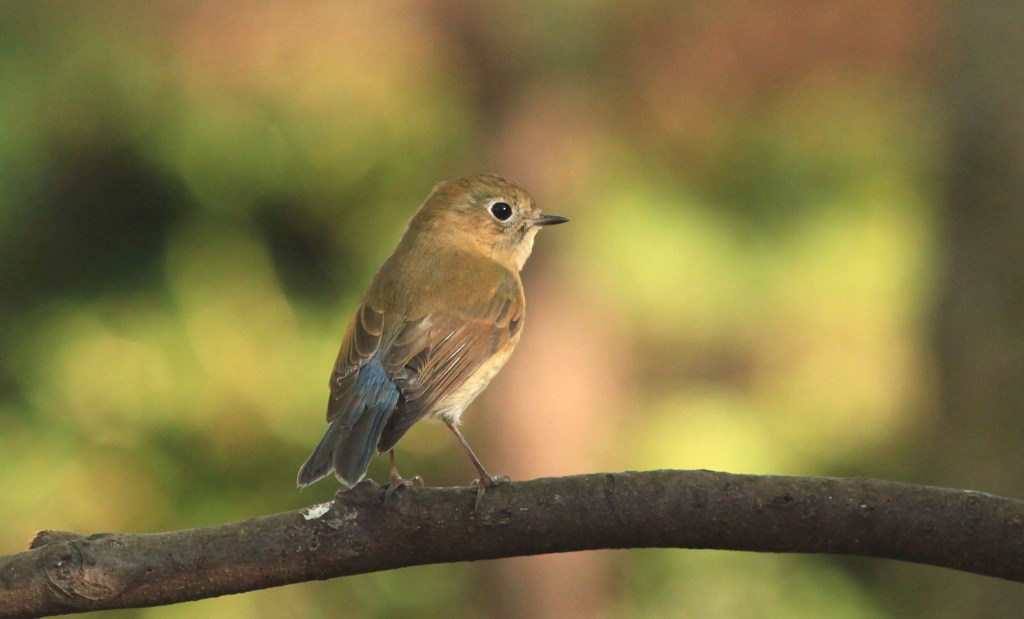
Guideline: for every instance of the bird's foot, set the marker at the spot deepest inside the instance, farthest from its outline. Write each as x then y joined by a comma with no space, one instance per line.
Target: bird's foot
491,481
482,483
398,482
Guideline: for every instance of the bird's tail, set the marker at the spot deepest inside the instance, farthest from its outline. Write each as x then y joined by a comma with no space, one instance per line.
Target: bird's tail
321,462
352,438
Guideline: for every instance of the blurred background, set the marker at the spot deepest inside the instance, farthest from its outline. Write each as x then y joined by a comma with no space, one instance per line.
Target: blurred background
797,247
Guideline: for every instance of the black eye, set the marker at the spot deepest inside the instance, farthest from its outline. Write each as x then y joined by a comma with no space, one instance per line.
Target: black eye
501,211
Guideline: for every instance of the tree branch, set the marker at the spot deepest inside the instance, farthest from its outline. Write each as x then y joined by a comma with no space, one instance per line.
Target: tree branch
357,533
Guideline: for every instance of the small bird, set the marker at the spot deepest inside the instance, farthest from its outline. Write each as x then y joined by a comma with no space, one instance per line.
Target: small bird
440,318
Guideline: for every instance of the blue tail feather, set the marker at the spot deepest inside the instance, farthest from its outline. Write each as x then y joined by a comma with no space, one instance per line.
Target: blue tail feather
351,439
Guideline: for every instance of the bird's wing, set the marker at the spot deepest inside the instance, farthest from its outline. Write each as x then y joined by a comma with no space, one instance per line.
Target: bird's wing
434,356
361,342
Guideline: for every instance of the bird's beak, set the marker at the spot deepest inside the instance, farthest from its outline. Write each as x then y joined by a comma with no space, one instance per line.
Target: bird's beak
549,220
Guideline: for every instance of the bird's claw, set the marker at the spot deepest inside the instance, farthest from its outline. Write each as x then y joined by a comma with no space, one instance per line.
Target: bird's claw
398,482
483,483
490,481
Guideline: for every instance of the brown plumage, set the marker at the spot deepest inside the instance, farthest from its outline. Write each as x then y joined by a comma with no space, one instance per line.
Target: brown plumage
439,319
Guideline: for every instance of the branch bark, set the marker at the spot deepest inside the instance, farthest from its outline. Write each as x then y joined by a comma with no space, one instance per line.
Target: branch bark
358,533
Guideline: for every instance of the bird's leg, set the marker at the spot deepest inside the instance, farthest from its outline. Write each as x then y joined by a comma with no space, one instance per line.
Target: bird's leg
485,480
397,481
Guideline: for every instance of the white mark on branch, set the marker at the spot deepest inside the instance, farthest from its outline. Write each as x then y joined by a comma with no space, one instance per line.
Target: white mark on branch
316,511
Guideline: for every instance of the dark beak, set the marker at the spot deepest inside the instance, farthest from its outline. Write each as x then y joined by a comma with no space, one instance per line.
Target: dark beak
549,220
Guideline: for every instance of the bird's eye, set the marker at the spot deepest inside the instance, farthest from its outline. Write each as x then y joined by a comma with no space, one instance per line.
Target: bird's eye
501,211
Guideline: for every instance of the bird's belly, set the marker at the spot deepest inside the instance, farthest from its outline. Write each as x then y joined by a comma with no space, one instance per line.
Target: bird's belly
451,408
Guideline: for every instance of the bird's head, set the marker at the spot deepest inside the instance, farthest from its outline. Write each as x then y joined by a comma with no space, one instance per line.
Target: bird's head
485,213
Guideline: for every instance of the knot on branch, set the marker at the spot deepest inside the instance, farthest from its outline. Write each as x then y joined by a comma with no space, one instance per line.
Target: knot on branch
72,573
